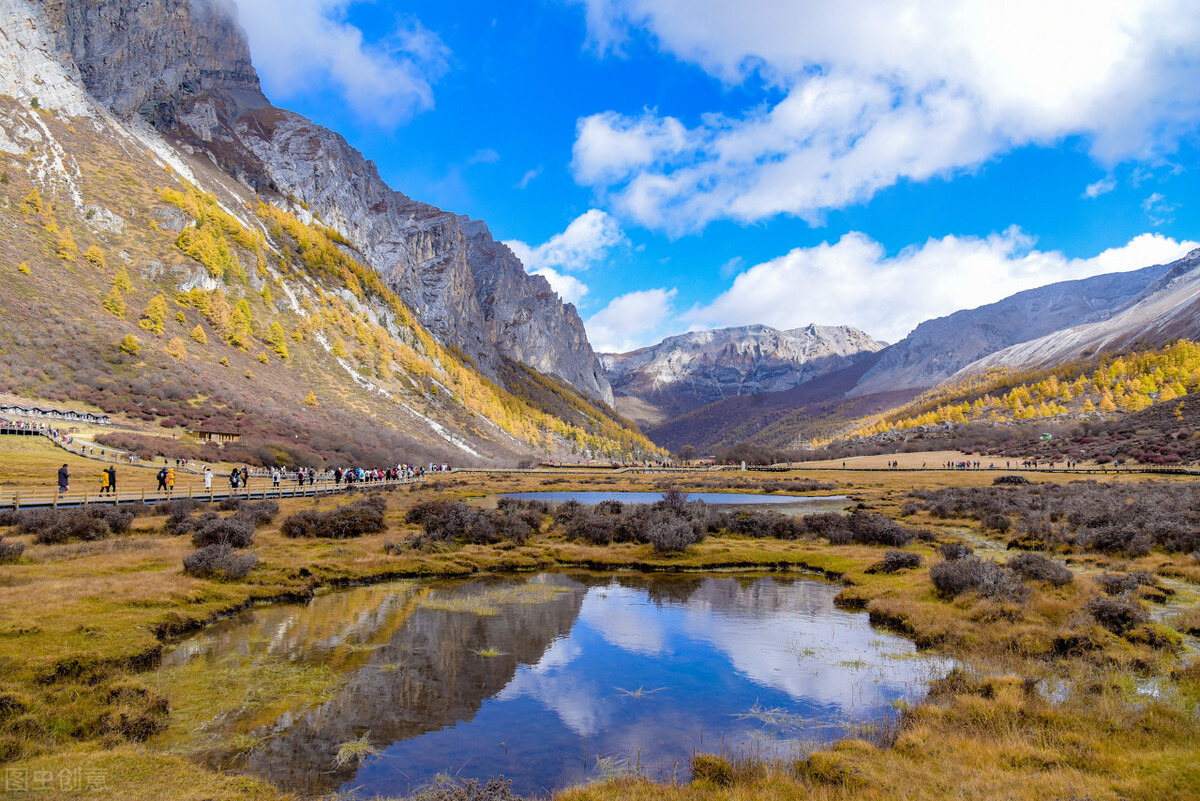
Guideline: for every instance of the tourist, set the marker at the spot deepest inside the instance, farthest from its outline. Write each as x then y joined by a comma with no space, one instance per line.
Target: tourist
162,479
112,479
170,480
64,478
103,482
235,479
208,478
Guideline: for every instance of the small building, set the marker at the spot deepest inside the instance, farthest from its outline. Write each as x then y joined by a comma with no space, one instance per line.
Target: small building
213,435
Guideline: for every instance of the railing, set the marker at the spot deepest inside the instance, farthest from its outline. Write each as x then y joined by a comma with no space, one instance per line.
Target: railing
42,498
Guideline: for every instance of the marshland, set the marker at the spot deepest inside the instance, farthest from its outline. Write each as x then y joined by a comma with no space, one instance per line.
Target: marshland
937,635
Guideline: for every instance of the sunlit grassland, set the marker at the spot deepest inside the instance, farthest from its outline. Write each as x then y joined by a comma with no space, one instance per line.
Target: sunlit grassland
80,623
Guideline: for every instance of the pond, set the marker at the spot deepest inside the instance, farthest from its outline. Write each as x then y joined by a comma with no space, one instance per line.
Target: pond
790,504
550,680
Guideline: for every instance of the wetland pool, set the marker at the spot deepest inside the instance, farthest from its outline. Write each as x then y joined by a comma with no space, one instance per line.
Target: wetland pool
550,680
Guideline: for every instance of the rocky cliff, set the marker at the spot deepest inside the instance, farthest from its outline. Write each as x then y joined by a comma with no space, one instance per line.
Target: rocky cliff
184,67
685,372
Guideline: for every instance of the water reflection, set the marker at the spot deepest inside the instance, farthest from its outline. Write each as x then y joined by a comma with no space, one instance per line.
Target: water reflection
537,678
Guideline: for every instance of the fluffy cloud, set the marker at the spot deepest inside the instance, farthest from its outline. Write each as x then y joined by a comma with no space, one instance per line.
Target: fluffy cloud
854,282
875,93
587,240
301,44
632,320
1101,187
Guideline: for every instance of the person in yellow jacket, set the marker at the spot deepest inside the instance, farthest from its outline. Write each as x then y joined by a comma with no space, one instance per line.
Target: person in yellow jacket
170,480
103,482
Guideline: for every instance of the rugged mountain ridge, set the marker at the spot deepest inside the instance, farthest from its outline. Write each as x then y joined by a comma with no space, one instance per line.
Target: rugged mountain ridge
1031,328
685,372
1166,310
937,349
184,67
138,277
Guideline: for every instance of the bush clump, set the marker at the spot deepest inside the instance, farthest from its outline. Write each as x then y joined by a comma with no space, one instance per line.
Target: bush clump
1127,519
671,535
1124,583
10,551
364,516
955,550
895,561
90,523
258,513
1035,567
447,789
859,527
215,531
219,561
982,576
1118,615
445,522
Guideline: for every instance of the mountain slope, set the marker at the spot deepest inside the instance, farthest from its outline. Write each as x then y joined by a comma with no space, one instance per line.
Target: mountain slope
685,372
1167,310
183,66
139,277
937,349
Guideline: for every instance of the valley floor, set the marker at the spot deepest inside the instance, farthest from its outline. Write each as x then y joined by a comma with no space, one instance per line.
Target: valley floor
81,622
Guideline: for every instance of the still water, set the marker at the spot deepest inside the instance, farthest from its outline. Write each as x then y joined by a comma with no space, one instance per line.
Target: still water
550,680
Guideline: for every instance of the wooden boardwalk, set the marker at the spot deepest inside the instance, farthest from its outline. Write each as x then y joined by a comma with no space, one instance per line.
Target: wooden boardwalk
42,498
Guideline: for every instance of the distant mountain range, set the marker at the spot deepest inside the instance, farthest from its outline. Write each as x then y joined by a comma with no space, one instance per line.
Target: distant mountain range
854,376
685,372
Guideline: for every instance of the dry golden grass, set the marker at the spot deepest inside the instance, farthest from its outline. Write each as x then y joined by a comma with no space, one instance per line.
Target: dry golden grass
79,616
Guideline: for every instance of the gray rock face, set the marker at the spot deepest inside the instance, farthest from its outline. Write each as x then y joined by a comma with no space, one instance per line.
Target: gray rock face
184,66
1166,310
157,58
937,349
685,372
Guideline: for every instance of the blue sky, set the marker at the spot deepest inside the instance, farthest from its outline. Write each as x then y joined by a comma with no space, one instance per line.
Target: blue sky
671,165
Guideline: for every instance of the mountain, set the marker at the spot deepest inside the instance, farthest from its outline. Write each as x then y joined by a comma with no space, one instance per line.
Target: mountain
1152,299
937,349
183,67
179,253
685,372
1166,310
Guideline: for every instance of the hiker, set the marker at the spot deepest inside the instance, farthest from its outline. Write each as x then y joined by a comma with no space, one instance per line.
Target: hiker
245,476
208,478
170,480
112,479
235,479
162,479
103,482
64,478
337,477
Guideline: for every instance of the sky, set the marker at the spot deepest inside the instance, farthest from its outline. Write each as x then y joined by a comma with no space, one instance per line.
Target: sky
673,165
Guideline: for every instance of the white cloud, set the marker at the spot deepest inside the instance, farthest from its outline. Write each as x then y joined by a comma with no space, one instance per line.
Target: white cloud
1101,187
875,93
568,287
854,282
1158,209
632,321
587,240
299,45
528,177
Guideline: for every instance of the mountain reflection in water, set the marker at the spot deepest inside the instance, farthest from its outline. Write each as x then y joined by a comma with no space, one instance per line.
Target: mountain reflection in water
547,680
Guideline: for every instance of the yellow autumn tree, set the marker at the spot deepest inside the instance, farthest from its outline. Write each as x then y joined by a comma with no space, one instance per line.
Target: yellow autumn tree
130,345
123,282
67,249
114,303
176,348
199,335
310,400
95,256
154,315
